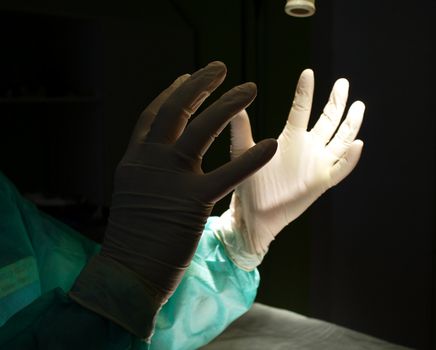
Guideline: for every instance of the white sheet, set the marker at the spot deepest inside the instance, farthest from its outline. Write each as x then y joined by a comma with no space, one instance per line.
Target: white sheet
267,328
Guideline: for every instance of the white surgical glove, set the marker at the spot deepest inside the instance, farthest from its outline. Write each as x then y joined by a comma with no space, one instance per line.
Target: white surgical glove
306,164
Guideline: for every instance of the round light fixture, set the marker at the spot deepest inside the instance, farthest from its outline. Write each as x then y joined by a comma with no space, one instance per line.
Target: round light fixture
300,8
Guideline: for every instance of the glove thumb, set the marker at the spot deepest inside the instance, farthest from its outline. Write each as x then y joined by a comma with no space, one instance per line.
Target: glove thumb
346,163
241,137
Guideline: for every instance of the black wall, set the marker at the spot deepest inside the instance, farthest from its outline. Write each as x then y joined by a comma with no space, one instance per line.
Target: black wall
373,236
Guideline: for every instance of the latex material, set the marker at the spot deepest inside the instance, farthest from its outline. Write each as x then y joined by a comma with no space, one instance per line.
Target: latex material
162,199
306,164
213,287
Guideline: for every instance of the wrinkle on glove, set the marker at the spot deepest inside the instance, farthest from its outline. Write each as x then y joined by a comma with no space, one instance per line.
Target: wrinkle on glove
162,199
306,164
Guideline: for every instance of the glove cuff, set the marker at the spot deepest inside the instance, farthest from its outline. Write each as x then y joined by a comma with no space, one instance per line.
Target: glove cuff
233,242
110,289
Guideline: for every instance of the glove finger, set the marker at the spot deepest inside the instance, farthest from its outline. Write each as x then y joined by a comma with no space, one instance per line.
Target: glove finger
333,111
219,182
146,118
346,163
241,137
200,134
174,114
348,130
301,106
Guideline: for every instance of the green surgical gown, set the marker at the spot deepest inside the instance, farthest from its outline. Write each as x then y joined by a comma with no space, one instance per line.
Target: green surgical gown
40,259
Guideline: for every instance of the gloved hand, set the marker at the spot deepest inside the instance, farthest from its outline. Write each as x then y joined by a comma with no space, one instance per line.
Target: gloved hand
306,164
162,199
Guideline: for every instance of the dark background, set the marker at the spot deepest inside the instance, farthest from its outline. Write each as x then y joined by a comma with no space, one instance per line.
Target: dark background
75,75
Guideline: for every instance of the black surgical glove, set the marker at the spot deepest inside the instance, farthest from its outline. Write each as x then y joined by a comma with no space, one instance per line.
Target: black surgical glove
162,199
